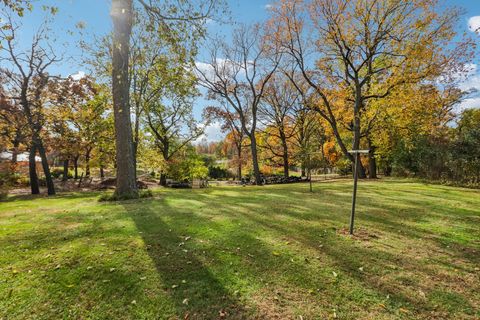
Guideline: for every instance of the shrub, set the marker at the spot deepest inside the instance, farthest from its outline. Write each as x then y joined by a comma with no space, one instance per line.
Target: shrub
218,173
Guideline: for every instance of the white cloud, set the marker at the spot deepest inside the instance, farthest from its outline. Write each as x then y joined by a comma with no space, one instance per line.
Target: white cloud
79,75
474,24
469,80
468,103
268,6
213,132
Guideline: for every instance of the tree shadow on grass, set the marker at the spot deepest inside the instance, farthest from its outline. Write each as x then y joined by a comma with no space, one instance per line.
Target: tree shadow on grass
195,291
44,196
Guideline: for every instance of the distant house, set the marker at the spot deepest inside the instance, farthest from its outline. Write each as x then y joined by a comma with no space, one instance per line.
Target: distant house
22,162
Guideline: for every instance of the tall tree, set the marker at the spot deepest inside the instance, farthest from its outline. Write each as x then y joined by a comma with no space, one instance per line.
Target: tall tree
175,20
28,78
278,113
354,52
172,125
122,15
237,73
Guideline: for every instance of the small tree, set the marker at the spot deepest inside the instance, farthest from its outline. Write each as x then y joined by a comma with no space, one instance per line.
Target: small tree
27,79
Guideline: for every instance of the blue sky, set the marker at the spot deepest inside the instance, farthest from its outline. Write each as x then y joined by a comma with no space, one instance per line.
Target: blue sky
95,15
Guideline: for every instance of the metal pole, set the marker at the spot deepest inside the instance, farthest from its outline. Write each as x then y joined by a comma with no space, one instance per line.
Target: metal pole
354,197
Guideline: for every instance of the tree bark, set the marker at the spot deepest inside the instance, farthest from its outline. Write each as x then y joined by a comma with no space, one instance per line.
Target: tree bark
372,162
87,163
65,170
32,170
122,14
102,172
163,179
256,168
45,166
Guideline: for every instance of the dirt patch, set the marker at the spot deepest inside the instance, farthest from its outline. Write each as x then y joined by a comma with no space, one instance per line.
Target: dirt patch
359,234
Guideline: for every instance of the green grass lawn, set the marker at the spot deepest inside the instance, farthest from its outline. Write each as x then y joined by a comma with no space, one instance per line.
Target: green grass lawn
273,252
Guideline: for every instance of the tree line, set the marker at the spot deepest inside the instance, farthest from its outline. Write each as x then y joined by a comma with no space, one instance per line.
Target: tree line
315,80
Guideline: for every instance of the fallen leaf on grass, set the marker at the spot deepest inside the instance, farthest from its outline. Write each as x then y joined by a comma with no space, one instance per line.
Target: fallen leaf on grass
143,278
174,286
360,269
403,310
275,253
185,301
334,274
133,302
57,267
112,269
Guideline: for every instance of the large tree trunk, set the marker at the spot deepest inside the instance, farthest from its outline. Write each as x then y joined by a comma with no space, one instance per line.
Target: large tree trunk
45,166
32,170
65,170
256,168
122,14
163,179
